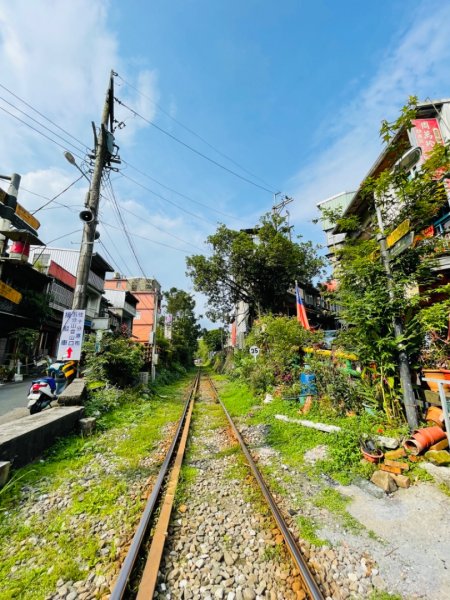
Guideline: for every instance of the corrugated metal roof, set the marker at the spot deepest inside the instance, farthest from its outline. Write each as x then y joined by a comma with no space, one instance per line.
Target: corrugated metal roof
65,257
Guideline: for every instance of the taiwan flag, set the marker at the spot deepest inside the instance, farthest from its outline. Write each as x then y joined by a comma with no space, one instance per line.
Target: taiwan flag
301,311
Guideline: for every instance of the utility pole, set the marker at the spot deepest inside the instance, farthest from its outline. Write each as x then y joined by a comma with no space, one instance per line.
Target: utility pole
409,399
103,154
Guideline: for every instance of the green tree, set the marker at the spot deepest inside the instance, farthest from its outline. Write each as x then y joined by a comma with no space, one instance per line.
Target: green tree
214,339
257,269
185,327
363,295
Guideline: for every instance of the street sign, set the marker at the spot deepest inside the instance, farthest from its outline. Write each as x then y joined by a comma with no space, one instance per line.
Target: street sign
10,293
403,244
254,351
398,233
71,338
19,216
23,214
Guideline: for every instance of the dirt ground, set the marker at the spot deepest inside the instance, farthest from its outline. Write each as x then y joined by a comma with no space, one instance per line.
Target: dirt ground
414,526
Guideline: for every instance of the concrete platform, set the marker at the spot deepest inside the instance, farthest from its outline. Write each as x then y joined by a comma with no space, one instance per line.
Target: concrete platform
25,439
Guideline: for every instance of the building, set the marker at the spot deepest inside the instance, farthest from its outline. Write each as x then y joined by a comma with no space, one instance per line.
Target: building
123,305
148,294
408,151
339,202
60,266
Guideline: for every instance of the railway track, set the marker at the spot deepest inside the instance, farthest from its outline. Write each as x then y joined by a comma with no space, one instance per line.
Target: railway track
138,577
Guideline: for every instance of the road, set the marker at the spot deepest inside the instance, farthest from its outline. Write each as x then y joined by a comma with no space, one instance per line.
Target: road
13,400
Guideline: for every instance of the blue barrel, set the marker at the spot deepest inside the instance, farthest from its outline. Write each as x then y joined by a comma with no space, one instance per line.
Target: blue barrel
307,382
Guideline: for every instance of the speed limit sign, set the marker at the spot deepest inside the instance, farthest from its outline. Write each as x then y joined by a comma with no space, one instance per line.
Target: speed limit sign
254,351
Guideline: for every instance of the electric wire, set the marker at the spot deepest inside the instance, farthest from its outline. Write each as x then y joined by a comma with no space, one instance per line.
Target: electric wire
194,150
110,188
113,262
188,212
57,195
182,195
122,260
60,204
147,221
146,238
51,242
41,124
40,132
191,131
43,116
185,196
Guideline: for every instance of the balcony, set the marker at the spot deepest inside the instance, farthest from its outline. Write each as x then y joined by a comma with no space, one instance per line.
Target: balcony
96,281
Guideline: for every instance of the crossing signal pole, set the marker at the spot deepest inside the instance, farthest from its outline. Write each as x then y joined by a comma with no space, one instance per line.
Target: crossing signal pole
103,156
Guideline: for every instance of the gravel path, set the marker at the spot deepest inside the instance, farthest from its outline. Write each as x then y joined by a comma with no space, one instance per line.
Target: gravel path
222,541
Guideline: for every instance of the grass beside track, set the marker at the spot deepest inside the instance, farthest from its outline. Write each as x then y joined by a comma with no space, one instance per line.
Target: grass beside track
93,485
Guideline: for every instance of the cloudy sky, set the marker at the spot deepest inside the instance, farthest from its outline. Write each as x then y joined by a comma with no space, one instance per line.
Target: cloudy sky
286,95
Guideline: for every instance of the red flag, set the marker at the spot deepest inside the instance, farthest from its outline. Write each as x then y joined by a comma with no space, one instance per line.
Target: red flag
301,311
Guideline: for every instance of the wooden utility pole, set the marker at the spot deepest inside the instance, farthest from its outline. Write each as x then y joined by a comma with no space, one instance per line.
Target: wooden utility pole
103,153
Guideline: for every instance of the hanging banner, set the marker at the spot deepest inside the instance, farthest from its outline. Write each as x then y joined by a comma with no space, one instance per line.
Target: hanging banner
71,339
168,319
428,134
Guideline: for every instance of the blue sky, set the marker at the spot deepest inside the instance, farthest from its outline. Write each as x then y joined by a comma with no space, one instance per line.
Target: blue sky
293,91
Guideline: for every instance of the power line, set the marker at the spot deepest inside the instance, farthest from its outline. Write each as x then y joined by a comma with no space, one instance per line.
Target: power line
122,220
186,197
60,204
147,238
166,199
123,261
41,124
43,116
208,158
159,228
51,242
58,195
38,131
192,131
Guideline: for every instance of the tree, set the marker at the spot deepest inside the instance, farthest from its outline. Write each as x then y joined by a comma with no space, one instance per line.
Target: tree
257,269
214,339
185,328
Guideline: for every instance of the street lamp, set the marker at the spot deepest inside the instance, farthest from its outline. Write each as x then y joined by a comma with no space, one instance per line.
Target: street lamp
71,159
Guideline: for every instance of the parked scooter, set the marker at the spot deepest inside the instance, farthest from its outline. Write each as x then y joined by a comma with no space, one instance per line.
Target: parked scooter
45,390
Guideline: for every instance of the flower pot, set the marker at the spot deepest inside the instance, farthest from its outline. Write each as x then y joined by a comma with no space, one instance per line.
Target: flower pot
374,457
435,416
435,374
422,439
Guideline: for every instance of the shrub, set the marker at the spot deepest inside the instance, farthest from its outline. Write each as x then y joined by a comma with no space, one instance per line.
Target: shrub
116,359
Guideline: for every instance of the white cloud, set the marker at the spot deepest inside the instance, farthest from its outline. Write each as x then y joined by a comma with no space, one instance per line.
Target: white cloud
415,64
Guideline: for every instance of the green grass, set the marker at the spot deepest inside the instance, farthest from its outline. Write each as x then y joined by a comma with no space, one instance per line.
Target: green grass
58,543
292,440
336,503
308,531
188,475
380,595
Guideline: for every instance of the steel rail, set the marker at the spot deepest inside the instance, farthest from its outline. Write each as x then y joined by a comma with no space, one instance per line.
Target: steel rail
311,586
126,570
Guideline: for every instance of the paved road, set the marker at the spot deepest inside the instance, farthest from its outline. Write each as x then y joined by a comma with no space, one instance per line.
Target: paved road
13,399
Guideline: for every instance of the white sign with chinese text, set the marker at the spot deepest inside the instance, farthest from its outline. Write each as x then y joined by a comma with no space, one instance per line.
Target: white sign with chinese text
71,339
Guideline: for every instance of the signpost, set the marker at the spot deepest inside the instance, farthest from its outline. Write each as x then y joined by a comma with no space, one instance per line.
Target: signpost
71,339
10,293
254,351
398,233
403,244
